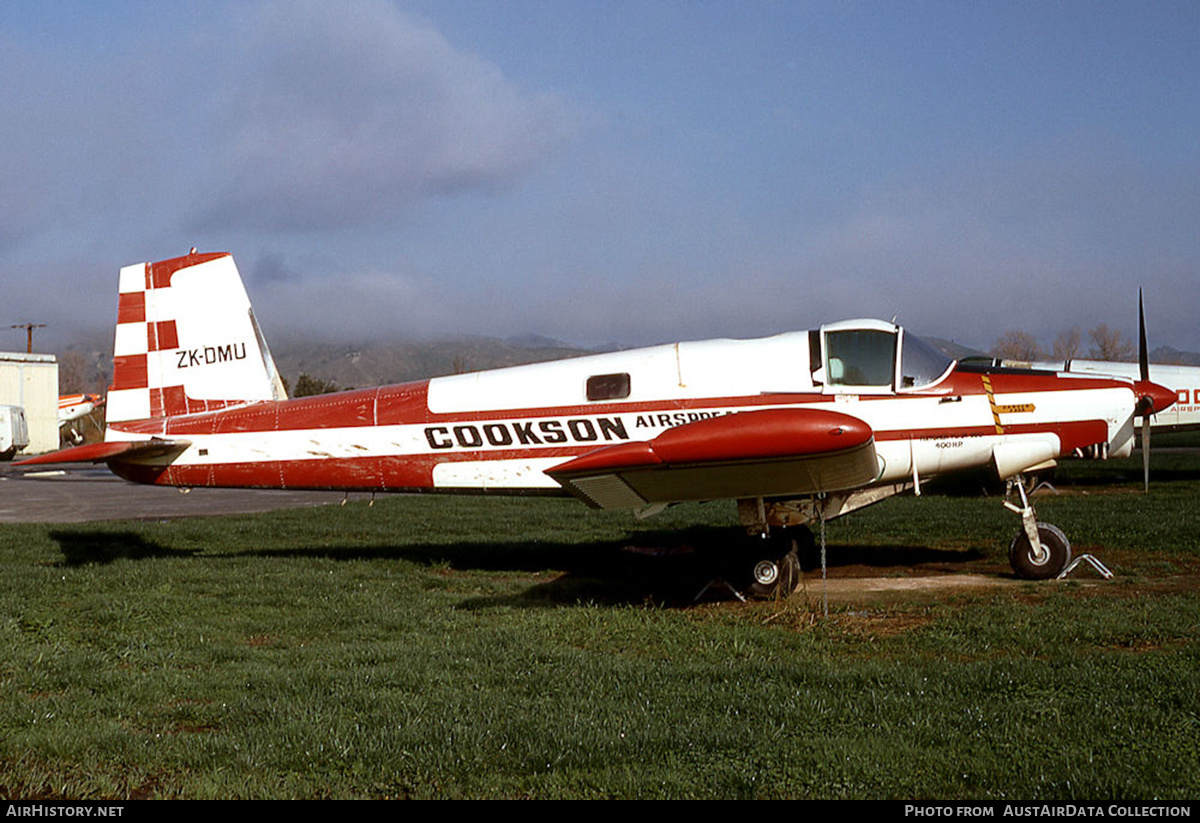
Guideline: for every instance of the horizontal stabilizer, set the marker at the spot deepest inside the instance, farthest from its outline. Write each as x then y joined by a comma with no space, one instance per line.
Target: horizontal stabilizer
111,450
768,453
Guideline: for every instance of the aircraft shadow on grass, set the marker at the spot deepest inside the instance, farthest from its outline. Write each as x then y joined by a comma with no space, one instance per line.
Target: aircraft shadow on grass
682,575
669,567
81,548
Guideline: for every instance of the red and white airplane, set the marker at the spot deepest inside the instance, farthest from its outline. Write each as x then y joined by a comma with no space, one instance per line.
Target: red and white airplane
72,407
797,428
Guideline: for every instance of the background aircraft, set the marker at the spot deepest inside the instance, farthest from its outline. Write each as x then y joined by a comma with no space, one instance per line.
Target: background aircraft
72,407
798,428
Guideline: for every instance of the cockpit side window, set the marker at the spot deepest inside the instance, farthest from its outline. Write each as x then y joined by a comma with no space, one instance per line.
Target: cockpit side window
920,363
860,357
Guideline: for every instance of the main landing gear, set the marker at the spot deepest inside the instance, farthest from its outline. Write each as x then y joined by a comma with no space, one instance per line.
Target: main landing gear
766,565
1039,551
780,547
777,560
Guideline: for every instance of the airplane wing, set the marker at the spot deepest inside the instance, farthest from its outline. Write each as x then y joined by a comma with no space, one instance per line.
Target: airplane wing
103,452
763,453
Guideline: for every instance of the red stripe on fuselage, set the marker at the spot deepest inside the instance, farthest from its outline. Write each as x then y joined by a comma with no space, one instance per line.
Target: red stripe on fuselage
969,383
392,473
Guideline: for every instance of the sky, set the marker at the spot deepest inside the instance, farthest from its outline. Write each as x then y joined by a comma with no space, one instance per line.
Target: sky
609,172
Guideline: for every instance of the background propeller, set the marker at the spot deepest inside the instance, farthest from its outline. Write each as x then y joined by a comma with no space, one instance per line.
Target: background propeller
1146,407
1152,398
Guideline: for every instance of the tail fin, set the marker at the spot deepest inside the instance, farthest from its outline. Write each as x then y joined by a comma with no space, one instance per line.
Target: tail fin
187,341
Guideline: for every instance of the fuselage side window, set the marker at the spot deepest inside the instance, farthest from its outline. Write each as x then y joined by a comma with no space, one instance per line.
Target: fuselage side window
608,386
860,357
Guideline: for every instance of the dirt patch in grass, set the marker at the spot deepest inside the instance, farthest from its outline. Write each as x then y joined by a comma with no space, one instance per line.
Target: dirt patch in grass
853,585
850,585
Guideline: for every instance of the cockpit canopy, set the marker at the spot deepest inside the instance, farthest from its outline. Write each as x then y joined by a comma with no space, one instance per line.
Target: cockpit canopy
874,357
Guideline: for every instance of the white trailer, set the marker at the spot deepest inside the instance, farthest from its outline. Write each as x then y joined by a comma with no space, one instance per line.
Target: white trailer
14,433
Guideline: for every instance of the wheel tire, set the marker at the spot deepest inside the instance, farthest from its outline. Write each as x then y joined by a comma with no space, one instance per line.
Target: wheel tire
776,576
1058,548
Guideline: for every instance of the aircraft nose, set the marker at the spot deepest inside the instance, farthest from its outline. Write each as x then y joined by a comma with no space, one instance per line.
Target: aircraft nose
1153,398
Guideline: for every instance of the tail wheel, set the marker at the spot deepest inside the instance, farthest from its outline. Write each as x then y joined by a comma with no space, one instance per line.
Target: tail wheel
1057,553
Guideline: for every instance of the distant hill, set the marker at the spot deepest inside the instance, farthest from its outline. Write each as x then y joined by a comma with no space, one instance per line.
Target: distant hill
1174,357
1165,355
952,349
379,364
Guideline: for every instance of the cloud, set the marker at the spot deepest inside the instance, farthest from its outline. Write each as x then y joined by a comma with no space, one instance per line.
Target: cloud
243,129
268,117
350,305
369,173
338,115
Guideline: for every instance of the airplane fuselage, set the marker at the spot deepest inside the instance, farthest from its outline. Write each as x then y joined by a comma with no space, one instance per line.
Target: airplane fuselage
500,431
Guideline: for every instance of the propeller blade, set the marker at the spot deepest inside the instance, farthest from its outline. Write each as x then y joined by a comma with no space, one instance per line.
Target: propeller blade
1152,398
1146,403
1143,349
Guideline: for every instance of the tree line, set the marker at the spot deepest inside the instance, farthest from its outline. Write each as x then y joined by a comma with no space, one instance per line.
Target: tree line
1106,344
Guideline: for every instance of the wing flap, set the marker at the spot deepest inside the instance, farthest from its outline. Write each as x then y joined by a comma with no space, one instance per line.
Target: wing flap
768,453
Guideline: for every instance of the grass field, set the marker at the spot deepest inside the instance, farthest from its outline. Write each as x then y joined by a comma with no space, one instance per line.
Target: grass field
468,647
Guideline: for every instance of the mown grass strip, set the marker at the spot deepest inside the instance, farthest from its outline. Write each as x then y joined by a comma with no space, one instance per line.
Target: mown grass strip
454,647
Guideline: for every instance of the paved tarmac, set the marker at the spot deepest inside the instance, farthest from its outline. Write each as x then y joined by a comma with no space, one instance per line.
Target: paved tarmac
83,493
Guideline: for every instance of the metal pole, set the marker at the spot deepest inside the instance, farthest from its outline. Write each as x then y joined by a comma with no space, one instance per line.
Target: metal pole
29,327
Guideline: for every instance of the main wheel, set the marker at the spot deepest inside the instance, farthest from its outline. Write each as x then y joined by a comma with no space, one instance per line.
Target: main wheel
1058,553
777,571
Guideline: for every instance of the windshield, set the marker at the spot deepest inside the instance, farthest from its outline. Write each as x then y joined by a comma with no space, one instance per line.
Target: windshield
921,363
860,357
